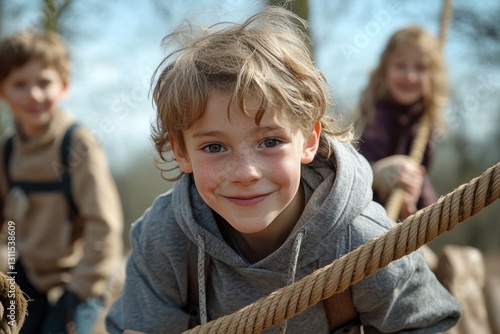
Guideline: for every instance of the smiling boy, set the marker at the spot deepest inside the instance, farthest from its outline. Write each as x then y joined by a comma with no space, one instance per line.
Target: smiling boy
56,187
268,191
34,108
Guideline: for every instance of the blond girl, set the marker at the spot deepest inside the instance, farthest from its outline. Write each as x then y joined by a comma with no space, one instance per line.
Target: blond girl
408,83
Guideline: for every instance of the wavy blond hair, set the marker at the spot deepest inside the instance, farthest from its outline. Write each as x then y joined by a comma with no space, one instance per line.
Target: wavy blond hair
434,100
264,57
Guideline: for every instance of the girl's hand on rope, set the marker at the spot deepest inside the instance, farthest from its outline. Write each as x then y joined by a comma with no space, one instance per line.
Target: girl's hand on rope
387,174
399,171
411,179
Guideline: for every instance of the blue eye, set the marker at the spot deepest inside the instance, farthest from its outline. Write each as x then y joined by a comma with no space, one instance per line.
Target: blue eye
44,83
270,142
20,84
214,148
400,66
421,68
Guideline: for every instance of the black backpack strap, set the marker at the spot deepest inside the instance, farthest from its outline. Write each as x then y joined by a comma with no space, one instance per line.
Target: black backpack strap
64,183
28,187
7,153
66,177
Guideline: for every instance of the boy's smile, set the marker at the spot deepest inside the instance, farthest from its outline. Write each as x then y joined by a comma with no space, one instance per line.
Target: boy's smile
33,93
248,173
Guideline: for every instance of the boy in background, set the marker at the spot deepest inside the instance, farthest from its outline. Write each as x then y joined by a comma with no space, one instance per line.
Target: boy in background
55,186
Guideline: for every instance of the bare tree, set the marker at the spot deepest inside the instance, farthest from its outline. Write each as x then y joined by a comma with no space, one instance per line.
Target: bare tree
480,27
53,11
2,15
2,107
299,7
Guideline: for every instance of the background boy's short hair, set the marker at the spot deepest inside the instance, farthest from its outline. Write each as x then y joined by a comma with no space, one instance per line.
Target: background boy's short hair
24,46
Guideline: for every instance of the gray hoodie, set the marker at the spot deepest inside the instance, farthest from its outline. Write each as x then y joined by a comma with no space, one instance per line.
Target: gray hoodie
339,216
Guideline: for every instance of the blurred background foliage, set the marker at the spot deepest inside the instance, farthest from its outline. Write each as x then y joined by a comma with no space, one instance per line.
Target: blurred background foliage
460,156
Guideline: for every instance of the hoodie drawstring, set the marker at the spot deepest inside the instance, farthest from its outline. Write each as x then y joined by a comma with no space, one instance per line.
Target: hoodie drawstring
202,298
202,302
292,268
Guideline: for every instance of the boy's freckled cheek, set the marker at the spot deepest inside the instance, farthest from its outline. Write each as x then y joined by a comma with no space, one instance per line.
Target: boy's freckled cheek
222,177
215,177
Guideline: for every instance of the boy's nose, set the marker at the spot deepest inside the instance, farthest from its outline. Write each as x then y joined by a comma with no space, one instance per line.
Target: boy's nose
243,168
36,94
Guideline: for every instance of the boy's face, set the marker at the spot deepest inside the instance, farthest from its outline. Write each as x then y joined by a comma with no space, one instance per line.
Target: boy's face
408,75
249,174
33,93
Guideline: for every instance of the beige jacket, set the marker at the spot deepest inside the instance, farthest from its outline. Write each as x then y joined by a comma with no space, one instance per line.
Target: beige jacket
54,251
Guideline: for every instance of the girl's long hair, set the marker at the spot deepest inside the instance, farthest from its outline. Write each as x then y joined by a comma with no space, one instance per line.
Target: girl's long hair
434,100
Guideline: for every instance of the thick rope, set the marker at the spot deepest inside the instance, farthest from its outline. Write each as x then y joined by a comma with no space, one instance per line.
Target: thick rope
446,15
415,231
13,305
395,201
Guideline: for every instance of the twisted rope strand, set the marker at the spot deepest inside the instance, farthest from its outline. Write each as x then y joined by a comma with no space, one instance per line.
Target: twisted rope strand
19,302
446,15
418,229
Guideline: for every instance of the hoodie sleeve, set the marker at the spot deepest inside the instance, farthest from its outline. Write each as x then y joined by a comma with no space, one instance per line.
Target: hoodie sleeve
405,297
152,300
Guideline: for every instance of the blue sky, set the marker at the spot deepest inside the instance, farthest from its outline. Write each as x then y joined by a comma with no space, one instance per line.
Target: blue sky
117,50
